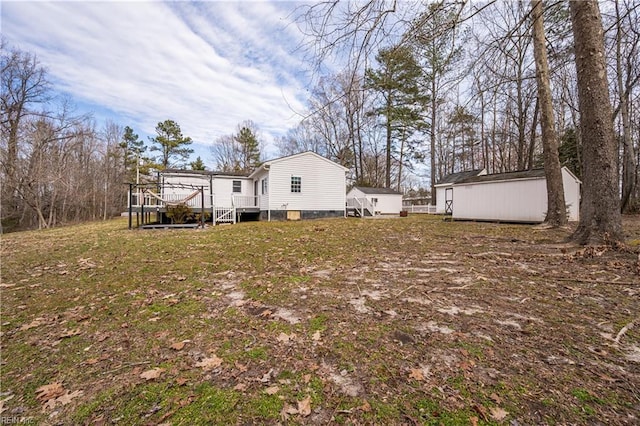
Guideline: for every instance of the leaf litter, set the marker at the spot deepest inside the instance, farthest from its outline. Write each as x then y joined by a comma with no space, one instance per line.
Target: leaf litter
491,323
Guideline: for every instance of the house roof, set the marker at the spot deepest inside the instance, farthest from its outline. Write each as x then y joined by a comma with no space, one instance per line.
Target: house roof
523,174
268,163
263,166
372,191
459,176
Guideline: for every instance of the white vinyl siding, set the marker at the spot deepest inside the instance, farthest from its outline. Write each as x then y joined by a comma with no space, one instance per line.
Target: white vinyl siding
522,200
223,189
384,203
323,184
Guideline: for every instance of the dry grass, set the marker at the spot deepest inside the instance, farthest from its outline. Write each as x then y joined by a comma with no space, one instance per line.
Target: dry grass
402,321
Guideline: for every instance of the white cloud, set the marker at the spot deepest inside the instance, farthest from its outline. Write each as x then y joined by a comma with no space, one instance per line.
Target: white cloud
206,65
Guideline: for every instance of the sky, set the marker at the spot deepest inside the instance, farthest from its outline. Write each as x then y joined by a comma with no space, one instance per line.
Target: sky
208,65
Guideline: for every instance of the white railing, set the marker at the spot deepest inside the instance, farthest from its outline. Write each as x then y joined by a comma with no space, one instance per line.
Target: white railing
427,208
224,214
240,201
361,205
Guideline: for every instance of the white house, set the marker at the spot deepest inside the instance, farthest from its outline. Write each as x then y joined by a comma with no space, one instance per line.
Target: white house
509,197
300,186
373,201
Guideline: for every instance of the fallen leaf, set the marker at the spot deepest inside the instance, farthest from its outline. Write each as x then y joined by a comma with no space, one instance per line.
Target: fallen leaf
2,401
92,361
154,373
272,390
208,364
266,313
482,411
283,338
473,420
241,387
366,407
266,377
67,397
241,367
316,336
495,398
304,406
180,381
306,378
498,414
33,324
287,411
69,333
178,346
50,391
416,374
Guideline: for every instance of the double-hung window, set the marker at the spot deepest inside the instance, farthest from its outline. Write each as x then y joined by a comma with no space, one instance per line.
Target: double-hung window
296,184
237,186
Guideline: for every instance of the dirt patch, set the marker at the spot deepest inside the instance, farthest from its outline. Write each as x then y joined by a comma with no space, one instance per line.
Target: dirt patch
416,321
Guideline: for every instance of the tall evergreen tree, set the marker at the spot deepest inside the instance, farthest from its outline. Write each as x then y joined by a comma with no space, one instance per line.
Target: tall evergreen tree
248,146
133,148
397,82
173,146
198,164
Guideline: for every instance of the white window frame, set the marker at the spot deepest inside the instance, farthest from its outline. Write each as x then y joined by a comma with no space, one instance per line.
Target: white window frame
296,184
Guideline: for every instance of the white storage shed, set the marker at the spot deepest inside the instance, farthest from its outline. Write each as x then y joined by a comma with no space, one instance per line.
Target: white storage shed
510,197
381,200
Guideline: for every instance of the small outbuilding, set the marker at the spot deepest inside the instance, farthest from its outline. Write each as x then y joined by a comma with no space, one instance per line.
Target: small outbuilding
444,188
508,197
375,201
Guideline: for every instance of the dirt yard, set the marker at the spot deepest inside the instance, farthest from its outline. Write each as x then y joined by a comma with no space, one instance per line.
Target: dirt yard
402,321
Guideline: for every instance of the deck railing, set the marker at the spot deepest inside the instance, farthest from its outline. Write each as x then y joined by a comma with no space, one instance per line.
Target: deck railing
244,201
361,205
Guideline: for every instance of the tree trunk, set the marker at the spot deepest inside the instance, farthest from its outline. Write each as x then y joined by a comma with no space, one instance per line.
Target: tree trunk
556,209
432,143
600,219
629,178
532,144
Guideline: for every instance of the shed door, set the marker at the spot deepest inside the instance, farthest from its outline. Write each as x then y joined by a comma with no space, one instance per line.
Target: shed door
448,201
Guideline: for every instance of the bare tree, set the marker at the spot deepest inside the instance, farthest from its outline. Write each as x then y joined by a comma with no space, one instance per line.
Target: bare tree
600,220
556,209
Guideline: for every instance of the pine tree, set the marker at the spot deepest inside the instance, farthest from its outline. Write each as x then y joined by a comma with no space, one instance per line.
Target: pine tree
397,81
172,145
249,148
198,164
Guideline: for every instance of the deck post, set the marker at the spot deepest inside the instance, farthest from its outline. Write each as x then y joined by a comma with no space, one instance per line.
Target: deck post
130,203
202,207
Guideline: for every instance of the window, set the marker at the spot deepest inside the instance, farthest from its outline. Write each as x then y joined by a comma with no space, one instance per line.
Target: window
237,186
296,184
265,186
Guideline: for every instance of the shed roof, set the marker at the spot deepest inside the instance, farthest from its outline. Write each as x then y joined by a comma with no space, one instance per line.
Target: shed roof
495,177
371,191
459,176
